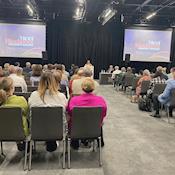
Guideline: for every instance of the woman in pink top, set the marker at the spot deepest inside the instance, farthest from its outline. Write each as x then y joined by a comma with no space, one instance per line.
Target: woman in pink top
87,99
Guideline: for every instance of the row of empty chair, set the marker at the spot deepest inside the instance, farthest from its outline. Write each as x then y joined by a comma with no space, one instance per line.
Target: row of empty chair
47,123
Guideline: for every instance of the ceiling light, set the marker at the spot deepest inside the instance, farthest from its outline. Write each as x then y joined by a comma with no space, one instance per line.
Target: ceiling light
151,15
30,10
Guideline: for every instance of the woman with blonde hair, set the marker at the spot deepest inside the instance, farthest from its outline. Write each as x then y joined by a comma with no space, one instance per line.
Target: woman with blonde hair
7,99
48,95
87,99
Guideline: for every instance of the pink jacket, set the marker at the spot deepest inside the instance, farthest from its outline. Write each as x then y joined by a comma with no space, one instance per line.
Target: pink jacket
87,100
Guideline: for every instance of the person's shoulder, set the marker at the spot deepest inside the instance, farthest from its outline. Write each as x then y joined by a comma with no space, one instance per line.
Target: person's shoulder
60,94
34,93
18,98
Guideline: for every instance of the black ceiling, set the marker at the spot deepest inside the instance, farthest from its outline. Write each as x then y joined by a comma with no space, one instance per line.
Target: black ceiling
134,11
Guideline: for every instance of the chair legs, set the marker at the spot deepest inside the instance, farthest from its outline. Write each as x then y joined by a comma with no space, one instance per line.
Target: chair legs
30,155
2,152
100,152
25,155
64,152
94,146
168,114
69,156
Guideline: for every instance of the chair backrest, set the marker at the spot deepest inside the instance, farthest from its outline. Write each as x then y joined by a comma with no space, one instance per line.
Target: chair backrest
11,125
46,123
172,101
36,83
18,89
26,95
159,88
63,89
86,122
32,88
128,81
144,87
134,83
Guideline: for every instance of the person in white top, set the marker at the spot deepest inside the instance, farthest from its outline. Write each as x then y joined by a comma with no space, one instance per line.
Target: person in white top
76,84
116,72
48,95
89,66
17,81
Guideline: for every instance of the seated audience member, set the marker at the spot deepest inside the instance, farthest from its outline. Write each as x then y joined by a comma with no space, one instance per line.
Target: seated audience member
27,69
146,77
45,68
65,72
110,69
64,79
36,73
17,64
77,75
140,73
7,99
1,73
17,81
160,69
6,69
50,67
62,88
157,79
89,66
165,97
19,72
87,99
116,72
76,84
48,95
170,75
71,70
127,74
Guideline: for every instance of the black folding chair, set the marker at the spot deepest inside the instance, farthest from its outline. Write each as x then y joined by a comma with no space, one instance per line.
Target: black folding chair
144,87
159,88
86,125
11,128
18,89
47,124
26,95
32,88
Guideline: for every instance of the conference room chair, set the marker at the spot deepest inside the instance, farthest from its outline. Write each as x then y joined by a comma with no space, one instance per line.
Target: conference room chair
18,89
144,87
63,89
36,83
128,83
26,95
159,88
132,88
32,88
85,125
170,105
11,128
46,123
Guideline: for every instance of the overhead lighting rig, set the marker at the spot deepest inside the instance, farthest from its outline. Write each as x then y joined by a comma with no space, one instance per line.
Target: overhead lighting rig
80,10
108,13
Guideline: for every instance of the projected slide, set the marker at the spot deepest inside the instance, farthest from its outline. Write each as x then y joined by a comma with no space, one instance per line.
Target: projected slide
22,40
147,45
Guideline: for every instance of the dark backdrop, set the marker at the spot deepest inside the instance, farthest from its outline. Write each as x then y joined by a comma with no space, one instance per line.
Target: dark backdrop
73,42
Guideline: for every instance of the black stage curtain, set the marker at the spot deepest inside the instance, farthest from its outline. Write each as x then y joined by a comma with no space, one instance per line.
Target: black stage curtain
70,42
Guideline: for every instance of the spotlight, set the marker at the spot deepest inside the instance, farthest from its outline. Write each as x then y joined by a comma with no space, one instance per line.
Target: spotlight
151,15
30,10
80,10
108,13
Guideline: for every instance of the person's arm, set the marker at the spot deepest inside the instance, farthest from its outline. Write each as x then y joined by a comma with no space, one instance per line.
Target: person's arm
24,86
166,94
